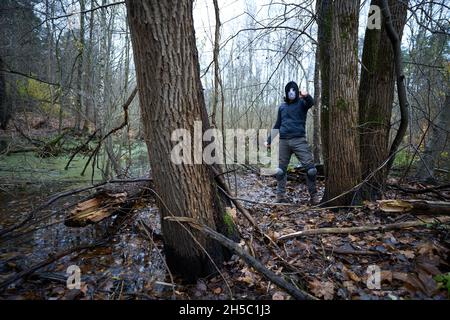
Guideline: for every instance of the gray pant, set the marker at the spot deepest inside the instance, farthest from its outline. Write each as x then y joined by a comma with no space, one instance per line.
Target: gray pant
301,148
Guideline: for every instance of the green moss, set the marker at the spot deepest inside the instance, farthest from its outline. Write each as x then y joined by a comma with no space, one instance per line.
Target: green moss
228,220
342,104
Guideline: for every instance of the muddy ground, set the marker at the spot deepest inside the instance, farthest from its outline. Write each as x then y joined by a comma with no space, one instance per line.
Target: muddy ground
412,263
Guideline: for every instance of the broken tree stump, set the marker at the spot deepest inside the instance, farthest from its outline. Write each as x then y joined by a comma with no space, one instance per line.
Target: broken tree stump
105,203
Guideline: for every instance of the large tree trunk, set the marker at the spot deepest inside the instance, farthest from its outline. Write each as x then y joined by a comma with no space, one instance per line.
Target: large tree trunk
171,97
343,171
438,142
376,96
323,9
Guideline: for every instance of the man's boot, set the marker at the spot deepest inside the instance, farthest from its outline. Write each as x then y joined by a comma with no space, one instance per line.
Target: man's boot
311,175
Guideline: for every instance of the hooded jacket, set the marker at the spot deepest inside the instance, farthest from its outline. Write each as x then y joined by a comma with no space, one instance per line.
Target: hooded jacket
291,118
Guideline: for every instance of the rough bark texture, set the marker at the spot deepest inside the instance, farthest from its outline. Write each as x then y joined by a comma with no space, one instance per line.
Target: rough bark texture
171,97
323,9
376,96
343,172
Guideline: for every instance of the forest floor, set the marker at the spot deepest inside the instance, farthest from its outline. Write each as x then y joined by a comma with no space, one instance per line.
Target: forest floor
413,262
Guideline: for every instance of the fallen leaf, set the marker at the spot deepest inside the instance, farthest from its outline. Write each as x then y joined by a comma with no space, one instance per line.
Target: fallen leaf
408,253
353,276
349,285
323,289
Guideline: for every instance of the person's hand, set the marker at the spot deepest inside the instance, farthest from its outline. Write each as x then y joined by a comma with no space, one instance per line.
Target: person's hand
303,93
267,145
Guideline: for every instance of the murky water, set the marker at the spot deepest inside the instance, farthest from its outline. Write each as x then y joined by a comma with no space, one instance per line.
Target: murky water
128,264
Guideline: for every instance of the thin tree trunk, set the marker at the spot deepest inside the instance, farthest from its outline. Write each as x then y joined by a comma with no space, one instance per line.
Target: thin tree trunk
376,97
323,9
316,109
89,74
394,36
439,140
4,107
216,64
80,71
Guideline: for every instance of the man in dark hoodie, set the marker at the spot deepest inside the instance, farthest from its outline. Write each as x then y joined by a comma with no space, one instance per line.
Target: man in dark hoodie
291,122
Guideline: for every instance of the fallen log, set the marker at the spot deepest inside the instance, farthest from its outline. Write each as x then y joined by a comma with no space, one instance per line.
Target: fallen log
105,203
350,230
419,207
96,209
31,215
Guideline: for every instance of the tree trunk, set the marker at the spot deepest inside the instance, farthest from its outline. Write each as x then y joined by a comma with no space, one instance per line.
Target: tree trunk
438,142
80,45
89,77
323,9
316,109
343,172
171,97
5,112
376,96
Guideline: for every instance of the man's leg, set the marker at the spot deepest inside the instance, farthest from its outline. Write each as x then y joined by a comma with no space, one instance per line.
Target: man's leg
303,152
284,156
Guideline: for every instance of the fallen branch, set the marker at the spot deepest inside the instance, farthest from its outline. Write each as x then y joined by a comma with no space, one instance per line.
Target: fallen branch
420,191
56,197
351,230
80,148
435,190
258,266
415,207
351,251
61,254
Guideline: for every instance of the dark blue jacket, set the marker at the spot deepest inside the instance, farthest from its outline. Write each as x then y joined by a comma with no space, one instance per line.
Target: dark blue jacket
291,118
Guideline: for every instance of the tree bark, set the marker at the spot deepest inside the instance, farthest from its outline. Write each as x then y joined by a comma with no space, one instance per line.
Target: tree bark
171,97
323,9
316,109
80,68
376,97
438,142
395,39
343,172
